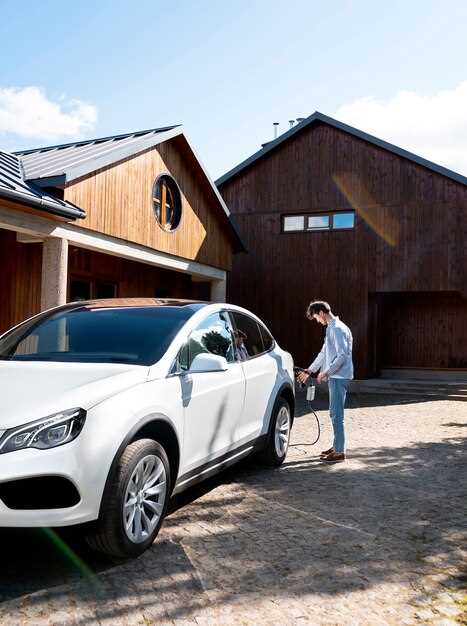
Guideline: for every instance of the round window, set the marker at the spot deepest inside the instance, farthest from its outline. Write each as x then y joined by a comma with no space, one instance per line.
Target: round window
167,202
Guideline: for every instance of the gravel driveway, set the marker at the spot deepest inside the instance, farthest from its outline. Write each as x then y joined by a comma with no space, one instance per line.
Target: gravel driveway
380,539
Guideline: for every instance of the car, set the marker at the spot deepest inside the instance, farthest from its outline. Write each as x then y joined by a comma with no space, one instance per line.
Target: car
110,407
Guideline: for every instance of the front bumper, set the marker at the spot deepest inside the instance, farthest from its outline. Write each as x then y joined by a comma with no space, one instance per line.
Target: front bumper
68,461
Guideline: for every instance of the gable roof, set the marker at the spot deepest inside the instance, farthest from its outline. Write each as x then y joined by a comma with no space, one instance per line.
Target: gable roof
66,162
61,164
317,117
14,187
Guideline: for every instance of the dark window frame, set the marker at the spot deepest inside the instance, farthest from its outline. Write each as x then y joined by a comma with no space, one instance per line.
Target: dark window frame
165,181
92,281
329,214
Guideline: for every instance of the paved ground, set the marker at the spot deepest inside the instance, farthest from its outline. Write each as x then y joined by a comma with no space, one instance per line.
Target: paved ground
377,540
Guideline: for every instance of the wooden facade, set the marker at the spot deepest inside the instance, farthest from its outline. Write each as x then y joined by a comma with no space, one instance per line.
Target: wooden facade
399,278
20,279
118,202
94,233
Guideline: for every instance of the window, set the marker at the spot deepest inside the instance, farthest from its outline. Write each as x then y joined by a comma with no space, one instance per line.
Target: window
343,220
95,334
294,222
248,340
213,336
318,222
167,202
88,289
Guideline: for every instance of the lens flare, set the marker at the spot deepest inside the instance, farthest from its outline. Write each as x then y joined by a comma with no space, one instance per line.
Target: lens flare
376,216
71,556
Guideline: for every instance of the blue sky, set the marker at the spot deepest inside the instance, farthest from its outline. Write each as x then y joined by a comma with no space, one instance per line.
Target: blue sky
227,70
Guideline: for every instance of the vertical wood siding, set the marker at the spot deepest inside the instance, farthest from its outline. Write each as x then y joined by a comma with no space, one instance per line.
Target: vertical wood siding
20,279
410,236
118,202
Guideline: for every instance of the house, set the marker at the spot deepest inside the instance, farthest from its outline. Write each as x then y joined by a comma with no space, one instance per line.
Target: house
128,215
327,211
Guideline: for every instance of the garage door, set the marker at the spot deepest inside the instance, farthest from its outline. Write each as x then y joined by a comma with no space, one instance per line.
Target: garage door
422,330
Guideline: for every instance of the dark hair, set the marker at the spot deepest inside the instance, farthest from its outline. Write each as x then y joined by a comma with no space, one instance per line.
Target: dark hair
317,306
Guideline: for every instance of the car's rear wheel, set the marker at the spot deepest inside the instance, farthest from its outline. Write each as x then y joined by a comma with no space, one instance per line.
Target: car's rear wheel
279,434
134,502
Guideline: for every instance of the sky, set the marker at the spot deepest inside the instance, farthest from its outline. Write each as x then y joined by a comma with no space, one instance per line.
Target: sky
228,70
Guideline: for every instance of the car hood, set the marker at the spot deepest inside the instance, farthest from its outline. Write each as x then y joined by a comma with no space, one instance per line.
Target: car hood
32,390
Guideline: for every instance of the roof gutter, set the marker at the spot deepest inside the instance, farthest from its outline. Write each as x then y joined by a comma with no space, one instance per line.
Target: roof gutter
43,204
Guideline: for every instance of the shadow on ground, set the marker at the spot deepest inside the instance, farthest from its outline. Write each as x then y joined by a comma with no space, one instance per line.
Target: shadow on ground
389,514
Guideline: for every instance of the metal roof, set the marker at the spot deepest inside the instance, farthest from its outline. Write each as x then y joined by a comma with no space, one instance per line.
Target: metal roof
58,165
320,117
69,161
14,187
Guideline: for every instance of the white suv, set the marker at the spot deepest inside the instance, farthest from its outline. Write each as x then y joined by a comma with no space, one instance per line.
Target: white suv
108,407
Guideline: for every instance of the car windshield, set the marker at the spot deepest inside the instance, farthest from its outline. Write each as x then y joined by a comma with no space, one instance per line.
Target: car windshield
136,335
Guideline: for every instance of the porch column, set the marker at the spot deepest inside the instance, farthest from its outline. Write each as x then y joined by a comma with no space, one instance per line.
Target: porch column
54,272
218,290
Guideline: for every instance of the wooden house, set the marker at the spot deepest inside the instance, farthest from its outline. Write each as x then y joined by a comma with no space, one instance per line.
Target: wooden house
128,215
327,211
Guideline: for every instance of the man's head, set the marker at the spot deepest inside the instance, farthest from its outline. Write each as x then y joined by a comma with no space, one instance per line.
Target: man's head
319,311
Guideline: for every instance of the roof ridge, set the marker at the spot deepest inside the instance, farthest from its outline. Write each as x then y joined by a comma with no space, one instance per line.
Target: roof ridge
84,142
326,119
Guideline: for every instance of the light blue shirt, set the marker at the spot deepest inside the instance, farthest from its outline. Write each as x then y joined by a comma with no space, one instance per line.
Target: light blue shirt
335,358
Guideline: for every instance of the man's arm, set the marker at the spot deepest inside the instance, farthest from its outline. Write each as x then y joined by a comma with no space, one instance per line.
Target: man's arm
318,362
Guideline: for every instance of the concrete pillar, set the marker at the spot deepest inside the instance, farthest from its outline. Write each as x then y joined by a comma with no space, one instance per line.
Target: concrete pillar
54,272
218,290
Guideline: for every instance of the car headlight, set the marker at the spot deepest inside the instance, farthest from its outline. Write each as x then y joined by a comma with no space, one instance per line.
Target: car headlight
48,432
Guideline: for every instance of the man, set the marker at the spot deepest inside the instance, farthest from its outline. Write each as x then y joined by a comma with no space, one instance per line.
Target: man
334,363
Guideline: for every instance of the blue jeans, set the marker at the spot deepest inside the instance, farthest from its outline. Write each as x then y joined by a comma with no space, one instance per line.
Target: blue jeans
337,394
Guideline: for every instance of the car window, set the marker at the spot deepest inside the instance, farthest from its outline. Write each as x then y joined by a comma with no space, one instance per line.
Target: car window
96,334
268,341
248,340
212,336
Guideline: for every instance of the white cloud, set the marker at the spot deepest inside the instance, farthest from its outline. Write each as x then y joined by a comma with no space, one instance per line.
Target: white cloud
28,112
434,127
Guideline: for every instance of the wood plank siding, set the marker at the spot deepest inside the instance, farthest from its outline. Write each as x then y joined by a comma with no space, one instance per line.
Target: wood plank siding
410,237
20,279
133,279
118,202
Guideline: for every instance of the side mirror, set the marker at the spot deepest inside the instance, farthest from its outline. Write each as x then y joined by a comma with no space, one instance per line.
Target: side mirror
206,362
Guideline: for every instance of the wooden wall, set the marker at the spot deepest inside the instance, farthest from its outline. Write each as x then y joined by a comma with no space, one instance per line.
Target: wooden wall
134,279
118,201
410,236
20,279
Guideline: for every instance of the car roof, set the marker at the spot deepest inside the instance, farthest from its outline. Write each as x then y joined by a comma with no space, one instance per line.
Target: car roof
124,303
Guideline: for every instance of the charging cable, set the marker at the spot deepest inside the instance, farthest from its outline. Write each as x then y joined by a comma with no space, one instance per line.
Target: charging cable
310,396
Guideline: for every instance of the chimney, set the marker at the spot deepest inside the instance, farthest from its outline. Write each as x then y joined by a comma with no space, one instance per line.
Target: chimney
275,124
291,122
300,119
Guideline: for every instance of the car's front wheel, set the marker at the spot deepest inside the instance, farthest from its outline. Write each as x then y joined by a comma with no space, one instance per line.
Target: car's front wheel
279,434
134,502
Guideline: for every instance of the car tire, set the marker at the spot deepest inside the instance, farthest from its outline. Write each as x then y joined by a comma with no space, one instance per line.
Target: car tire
135,501
279,434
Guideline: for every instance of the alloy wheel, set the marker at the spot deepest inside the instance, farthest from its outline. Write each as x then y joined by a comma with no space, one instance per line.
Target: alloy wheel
282,433
144,498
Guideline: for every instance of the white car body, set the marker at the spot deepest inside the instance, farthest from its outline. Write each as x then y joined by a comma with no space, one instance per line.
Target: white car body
218,417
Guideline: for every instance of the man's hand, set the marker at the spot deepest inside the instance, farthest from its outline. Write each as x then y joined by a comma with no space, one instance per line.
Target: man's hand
322,377
302,377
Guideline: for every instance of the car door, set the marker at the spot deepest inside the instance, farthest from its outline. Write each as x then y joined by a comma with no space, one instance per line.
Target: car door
253,345
212,401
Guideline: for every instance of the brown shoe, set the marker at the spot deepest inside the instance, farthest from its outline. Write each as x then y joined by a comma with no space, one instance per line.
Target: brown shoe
326,452
334,457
